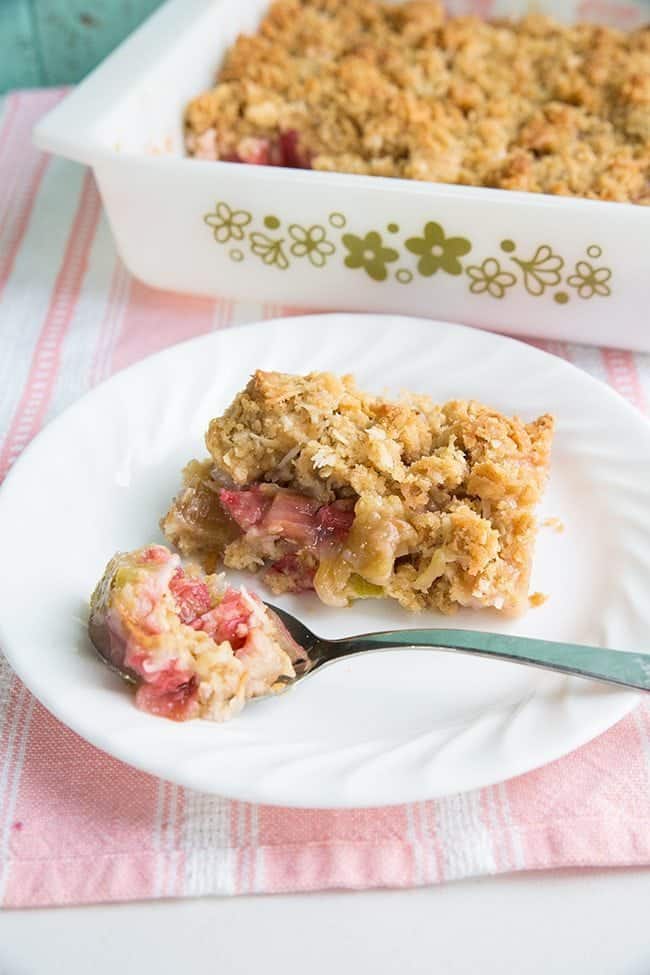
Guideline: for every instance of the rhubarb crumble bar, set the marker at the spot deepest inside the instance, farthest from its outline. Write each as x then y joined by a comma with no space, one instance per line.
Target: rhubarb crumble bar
194,647
359,86
318,485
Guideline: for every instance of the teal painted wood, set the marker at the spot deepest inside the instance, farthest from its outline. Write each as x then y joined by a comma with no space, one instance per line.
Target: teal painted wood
20,66
54,42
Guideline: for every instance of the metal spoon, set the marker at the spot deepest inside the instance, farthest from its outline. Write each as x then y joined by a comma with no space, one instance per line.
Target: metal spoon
594,663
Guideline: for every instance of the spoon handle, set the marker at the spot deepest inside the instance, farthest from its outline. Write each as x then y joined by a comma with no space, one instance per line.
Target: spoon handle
596,663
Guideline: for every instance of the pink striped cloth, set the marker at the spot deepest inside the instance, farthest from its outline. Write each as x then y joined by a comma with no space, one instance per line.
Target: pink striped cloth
77,826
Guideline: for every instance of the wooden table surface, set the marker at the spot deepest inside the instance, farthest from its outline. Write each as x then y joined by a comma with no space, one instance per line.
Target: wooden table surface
54,42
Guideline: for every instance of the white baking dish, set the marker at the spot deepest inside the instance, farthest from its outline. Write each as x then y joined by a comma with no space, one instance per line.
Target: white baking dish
540,265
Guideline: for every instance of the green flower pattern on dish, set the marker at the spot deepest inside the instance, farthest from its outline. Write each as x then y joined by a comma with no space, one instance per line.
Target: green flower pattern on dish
311,242
490,277
542,271
590,281
270,250
369,253
227,224
437,252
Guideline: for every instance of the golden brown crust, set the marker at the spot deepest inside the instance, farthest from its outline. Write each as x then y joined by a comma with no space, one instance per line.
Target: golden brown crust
398,90
444,496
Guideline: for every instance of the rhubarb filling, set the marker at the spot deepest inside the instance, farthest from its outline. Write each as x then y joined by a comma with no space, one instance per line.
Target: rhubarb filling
194,647
282,149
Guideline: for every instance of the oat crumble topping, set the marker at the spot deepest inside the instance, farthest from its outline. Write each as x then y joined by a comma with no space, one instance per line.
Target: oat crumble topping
359,86
322,486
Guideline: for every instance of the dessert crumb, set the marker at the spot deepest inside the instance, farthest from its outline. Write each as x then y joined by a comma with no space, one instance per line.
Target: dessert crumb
538,599
555,523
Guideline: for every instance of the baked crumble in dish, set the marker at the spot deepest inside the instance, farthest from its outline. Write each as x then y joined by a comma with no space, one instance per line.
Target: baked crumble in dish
359,86
318,485
194,647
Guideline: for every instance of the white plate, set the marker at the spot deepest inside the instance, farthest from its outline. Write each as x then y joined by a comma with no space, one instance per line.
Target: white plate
384,728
